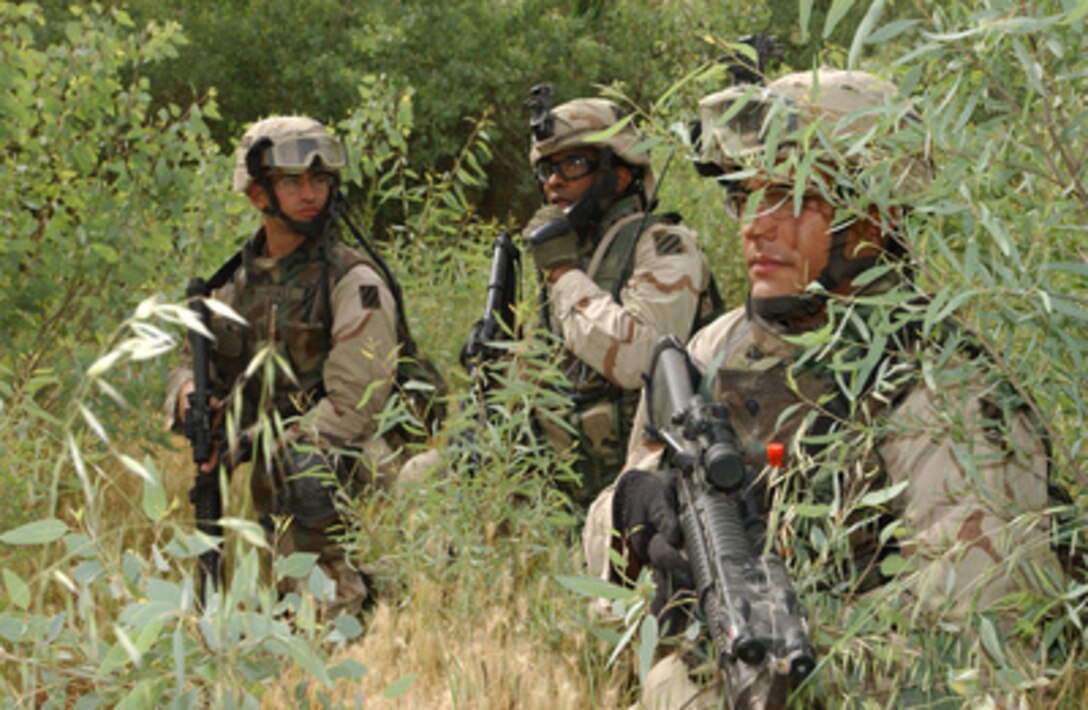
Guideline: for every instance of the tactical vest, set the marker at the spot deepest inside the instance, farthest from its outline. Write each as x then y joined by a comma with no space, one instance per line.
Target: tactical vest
601,411
286,303
758,389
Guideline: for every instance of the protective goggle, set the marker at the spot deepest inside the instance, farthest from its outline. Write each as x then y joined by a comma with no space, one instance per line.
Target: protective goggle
569,168
295,154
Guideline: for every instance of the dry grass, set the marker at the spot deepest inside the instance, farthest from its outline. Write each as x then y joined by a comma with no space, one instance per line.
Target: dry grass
491,658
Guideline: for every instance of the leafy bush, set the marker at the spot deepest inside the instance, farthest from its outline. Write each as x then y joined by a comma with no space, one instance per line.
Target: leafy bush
116,193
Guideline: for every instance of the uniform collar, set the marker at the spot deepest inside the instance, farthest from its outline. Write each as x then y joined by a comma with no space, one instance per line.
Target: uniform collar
256,261
618,210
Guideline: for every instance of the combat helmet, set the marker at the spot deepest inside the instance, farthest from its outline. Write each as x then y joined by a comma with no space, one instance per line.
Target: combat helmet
571,124
833,125
288,144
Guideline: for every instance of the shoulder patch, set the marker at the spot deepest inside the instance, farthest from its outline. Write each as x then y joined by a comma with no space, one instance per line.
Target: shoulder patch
667,243
370,297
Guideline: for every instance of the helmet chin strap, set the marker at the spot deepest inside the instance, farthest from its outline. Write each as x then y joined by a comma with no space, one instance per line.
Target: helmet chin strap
783,310
594,202
310,228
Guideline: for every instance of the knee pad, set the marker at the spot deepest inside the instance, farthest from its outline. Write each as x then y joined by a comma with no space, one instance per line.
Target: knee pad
312,484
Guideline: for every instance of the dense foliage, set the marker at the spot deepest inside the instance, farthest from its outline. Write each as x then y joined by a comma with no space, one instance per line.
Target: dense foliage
117,133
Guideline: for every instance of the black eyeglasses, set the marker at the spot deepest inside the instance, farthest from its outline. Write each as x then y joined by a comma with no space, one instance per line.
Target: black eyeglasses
569,168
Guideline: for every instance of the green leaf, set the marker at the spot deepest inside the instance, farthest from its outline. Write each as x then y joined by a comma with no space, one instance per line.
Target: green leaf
808,510
136,467
612,130
320,585
594,587
1032,69
348,626
1068,306
1078,13
865,28
891,31
297,564
154,499
349,669
805,11
17,589
893,565
628,634
40,532
250,531
838,10
299,650
933,316
987,633
876,498
647,644
399,687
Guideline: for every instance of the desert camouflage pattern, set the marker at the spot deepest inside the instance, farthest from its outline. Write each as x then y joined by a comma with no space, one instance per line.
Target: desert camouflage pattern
608,344
843,104
578,120
283,302
963,526
835,98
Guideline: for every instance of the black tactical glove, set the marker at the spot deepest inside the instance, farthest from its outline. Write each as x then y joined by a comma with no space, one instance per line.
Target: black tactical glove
551,238
645,511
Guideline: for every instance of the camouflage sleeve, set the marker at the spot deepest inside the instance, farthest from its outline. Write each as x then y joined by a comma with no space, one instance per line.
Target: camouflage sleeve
660,297
974,501
359,371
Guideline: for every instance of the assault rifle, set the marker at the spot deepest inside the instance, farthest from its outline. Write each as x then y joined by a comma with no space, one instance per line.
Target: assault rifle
497,322
751,609
204,495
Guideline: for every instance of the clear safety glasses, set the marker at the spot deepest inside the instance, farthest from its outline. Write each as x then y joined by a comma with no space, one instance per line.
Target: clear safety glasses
569,168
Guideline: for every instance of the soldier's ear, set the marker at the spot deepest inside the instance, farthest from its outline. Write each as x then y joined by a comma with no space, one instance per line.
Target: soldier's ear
257,196
623,179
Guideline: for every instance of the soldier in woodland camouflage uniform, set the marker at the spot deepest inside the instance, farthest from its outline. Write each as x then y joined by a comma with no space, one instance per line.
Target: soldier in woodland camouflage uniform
327,311
975,468
616,276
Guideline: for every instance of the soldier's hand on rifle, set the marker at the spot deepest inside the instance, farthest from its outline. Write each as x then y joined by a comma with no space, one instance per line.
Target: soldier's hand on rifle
552,240
216,424
645,511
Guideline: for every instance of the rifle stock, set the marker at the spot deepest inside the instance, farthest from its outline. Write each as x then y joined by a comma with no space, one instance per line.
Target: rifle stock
746,595
205,494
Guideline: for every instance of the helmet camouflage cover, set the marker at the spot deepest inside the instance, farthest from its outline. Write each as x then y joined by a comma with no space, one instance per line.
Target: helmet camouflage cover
576,121
842,112
295,142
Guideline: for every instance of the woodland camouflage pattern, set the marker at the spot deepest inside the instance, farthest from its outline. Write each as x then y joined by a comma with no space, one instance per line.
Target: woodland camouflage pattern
283,302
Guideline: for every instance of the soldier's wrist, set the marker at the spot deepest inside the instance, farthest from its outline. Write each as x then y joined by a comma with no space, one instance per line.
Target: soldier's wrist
557,272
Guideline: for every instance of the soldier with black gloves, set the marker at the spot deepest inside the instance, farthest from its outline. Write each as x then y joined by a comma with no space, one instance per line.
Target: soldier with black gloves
615,275
962,465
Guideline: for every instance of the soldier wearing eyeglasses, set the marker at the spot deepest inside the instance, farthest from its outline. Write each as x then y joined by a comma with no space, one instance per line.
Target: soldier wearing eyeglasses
615,275
327,316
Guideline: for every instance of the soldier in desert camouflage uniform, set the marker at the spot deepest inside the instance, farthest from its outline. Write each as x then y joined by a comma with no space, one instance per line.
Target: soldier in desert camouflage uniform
328,312
616,276
975,468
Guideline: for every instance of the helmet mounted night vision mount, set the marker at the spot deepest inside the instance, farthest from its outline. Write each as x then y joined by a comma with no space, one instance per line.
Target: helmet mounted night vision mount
540,104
